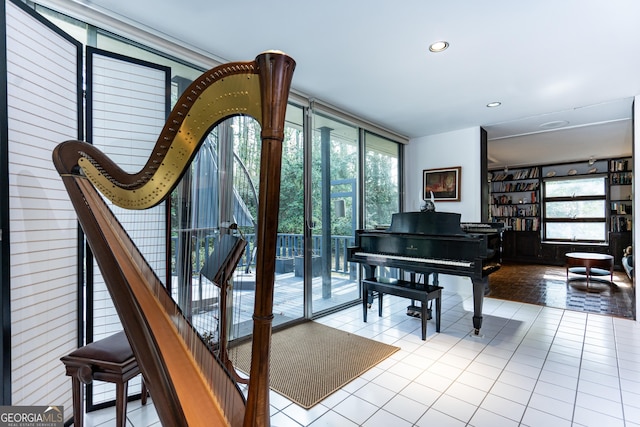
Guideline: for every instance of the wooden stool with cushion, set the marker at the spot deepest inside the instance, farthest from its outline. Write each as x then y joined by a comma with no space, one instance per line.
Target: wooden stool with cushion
111,360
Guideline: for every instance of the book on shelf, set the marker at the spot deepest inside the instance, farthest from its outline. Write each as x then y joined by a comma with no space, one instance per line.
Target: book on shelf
521,224
525,224
529,173
515,210
619,208
500,187
620,223
621,178
619,165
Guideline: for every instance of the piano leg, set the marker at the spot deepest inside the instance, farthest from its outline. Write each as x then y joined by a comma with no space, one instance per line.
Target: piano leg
365,301
367,297
438,311
423,320
478,298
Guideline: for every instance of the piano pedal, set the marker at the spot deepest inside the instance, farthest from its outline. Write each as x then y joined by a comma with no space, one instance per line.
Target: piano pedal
415,311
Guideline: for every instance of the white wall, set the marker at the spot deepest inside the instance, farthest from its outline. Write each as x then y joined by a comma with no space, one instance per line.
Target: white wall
458,148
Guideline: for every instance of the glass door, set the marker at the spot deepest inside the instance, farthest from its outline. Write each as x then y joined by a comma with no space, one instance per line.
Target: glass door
288,303
334,212
317,223
219,198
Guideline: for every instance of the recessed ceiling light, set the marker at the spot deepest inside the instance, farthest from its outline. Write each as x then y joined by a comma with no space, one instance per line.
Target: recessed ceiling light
554,124
438,46
494,104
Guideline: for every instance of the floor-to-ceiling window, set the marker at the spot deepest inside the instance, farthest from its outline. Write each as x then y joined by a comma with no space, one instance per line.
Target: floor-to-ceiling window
381,186
334,211
381,180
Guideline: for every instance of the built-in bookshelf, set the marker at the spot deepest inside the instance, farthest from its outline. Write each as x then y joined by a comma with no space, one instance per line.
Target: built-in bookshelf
620,195
515,198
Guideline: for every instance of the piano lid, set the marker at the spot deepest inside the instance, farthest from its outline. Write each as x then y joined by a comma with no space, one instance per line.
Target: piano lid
426,223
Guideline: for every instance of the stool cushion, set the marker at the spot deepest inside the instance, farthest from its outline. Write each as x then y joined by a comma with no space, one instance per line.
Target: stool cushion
115,349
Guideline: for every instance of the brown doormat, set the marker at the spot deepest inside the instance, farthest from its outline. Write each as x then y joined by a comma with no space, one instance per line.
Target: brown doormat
310,361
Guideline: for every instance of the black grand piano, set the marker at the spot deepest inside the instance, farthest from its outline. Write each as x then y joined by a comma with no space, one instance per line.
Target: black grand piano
433,242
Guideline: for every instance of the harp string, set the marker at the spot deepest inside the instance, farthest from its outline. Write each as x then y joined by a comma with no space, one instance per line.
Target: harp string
246,170
218,197
146,229
133,262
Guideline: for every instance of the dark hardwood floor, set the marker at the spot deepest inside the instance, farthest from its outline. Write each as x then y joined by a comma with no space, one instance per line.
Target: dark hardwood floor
547,285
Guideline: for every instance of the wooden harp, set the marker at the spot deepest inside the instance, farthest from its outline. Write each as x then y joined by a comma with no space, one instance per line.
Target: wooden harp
189,386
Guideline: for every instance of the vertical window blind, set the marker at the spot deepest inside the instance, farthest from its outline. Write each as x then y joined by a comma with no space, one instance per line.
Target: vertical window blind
126,110
42,111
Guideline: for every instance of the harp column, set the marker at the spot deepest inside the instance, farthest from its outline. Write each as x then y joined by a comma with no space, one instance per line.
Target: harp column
276,71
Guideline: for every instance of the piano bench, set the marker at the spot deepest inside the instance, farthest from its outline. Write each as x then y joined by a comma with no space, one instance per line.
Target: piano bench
406,289
110,360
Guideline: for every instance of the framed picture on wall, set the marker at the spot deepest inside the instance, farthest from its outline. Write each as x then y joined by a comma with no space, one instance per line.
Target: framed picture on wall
443,182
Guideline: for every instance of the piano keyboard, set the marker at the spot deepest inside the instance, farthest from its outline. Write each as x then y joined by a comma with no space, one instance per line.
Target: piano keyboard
412,259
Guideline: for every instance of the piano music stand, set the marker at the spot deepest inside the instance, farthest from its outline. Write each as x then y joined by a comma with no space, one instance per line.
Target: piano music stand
406,289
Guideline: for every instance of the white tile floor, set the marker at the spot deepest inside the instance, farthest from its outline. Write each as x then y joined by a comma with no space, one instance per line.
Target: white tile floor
533,366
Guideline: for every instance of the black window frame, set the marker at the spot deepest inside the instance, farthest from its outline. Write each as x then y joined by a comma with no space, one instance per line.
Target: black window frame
601,197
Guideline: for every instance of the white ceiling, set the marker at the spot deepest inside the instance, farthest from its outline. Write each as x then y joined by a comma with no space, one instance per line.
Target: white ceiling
545,60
